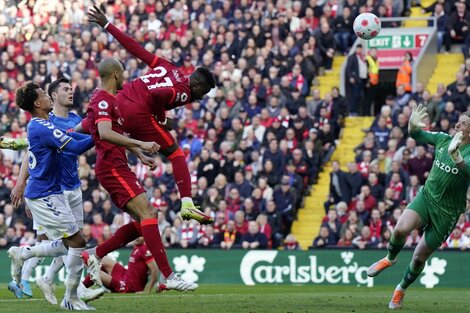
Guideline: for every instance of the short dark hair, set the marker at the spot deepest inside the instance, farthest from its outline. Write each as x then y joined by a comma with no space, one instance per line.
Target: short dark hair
55,85
26,96
204,74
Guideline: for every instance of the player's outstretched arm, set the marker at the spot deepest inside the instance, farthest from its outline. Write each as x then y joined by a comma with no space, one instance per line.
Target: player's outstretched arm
153,275
95,15
17,193
108,134
82,127
78,146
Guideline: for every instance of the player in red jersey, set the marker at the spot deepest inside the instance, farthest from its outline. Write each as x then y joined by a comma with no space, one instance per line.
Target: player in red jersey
143,102
114,174
118,279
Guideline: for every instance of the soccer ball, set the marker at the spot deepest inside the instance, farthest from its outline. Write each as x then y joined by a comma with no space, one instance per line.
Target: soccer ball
366,26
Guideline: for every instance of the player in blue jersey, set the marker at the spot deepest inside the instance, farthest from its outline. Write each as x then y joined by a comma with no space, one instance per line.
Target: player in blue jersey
61,93
44,195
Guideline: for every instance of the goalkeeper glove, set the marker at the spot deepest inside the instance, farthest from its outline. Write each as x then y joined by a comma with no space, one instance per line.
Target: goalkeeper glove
14,144
454,147
417,117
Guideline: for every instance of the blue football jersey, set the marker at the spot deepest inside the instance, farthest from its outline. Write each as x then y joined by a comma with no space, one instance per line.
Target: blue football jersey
45,158
70,179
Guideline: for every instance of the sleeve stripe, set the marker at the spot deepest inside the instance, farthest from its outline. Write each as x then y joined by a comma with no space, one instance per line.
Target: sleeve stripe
150,261
154,62
102,119
65,143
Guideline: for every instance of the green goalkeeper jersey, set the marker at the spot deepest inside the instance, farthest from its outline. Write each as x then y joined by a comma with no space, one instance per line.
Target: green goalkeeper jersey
446,185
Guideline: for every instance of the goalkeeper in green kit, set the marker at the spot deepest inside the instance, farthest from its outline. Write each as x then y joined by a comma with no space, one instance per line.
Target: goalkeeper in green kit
437,206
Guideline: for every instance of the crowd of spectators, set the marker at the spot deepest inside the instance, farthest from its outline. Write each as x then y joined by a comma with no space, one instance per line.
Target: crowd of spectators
366,201
254,146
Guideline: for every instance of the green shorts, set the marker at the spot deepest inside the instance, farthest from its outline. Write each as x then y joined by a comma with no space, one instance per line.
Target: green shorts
437,224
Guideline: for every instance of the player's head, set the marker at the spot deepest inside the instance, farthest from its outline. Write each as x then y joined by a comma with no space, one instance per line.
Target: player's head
111,72
61,93
201,82
464,125
33,98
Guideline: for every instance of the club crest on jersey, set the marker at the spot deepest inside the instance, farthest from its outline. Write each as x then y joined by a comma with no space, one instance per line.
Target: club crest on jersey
446,168
58,133
103,105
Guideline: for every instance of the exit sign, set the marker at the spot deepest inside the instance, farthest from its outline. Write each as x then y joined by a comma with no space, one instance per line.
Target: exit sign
398,41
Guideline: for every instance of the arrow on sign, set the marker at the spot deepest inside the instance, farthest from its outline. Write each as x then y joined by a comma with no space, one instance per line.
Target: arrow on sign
407,41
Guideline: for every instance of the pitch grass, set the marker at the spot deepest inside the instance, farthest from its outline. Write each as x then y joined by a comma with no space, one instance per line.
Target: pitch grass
236,298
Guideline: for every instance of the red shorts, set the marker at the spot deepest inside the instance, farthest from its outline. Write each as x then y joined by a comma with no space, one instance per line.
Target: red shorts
141,124
118,279
121,184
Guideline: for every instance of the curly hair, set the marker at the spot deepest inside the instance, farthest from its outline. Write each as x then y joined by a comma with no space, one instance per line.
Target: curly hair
26,95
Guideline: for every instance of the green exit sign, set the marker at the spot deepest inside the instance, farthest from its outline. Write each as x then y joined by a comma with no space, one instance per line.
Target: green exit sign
392,42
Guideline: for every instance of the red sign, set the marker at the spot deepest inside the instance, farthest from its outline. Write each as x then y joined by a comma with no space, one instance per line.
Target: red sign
394,58
420,40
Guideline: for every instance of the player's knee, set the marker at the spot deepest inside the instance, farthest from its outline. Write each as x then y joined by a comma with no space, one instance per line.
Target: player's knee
419,260
400,232
170,150
75,241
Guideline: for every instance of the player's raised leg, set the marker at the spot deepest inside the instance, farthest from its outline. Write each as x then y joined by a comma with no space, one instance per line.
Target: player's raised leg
175,154
408,221
412,272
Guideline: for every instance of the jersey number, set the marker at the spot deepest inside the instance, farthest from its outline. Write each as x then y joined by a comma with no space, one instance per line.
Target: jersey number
160,72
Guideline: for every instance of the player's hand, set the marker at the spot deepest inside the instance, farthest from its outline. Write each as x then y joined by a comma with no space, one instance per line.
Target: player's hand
146,160
151,147
417,117
17,195
95,15
453,148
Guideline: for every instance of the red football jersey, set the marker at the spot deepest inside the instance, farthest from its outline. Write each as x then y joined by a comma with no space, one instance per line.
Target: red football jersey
164,87
103,107
137,270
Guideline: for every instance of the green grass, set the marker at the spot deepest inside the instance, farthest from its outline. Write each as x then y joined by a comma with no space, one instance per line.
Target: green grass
236,298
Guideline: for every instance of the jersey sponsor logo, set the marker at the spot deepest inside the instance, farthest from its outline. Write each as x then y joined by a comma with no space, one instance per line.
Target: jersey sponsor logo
57,133
177,76
103,113
103,105
120,121
446,168
32,160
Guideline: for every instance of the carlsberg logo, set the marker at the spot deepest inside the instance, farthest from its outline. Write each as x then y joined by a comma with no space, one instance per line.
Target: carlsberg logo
257,267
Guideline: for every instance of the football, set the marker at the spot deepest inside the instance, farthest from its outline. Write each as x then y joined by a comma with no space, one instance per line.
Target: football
366,26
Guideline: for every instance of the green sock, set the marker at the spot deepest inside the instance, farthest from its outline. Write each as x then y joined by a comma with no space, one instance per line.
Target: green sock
410,275
394,247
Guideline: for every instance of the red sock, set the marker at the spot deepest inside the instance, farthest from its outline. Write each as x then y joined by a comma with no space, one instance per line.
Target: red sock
154,244
121,237
181,173
87,282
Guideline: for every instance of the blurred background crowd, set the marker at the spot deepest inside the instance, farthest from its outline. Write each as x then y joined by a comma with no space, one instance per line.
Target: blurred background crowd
256,144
